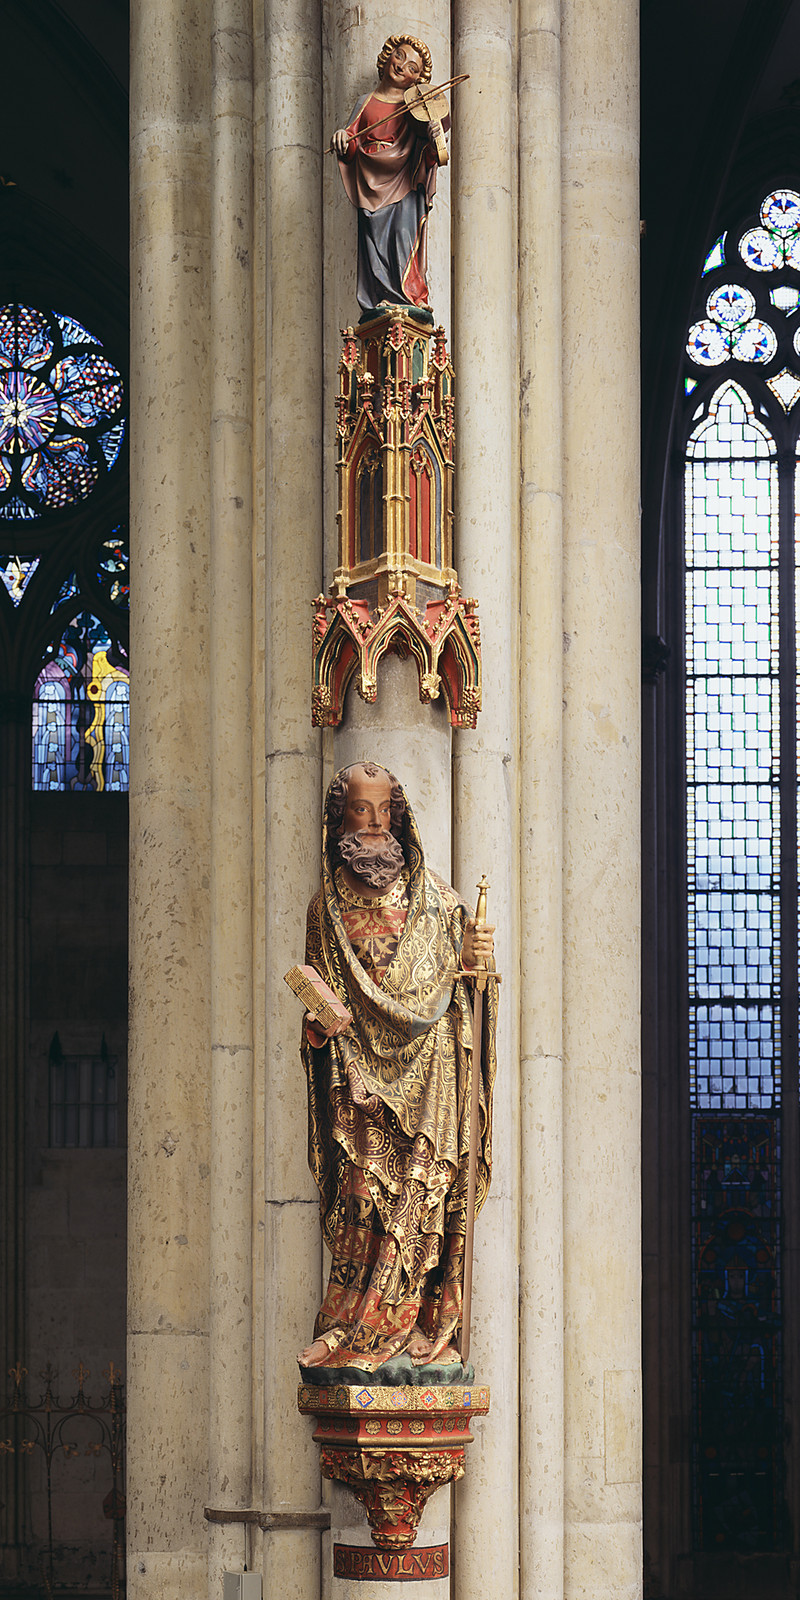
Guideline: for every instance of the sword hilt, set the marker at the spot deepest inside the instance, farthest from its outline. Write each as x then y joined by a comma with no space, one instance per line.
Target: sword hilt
481,974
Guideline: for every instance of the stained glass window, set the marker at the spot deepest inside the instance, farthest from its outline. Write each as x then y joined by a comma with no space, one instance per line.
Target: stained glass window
785,298
731,331
16,574
80,710
777,242
742,826
69,588
785,386
113,561
61,412
734,831
716,255
732,751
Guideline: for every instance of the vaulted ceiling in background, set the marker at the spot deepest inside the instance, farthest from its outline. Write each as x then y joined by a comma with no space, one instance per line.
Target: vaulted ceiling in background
64,158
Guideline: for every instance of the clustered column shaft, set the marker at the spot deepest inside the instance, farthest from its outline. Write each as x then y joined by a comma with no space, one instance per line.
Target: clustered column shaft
231,457
541,790
170,1040
288,1469
243,263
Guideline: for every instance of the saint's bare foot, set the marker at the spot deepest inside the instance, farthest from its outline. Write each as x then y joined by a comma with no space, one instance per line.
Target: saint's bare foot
446,1357
316,1354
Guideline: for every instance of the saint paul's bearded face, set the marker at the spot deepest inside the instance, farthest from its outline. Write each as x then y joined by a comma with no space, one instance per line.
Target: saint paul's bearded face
366,845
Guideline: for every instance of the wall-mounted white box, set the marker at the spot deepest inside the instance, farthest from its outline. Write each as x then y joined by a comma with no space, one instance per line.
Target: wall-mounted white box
241,1586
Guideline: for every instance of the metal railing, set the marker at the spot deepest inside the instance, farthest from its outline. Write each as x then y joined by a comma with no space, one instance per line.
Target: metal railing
53,1429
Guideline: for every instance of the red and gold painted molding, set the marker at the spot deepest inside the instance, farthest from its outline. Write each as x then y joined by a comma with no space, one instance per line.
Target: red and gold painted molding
395,437
360,1564
393,1447
395,587
445,642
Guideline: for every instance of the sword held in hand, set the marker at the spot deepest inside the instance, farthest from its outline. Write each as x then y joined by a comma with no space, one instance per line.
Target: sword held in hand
481,975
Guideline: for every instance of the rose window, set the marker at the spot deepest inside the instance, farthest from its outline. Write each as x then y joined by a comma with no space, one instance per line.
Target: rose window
61,412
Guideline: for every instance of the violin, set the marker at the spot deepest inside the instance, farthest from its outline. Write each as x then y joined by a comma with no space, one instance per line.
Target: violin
430,107
425,105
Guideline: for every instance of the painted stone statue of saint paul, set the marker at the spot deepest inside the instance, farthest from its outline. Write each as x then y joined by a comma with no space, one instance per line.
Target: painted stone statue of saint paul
389,173
389,1090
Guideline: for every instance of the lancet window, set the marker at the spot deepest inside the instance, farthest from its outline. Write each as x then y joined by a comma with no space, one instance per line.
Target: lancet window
742,549
80,710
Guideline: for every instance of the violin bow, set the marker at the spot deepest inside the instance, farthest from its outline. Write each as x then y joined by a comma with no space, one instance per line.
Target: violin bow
426,94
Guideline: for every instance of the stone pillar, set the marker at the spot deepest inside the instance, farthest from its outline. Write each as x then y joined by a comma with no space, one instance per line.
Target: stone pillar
288,1472
601,801
486,777
541,845
15,787
231,1329
170,816
413,741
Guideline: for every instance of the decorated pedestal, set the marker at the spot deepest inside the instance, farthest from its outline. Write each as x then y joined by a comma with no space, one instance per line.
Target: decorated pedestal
354,1569
395,587
392,1448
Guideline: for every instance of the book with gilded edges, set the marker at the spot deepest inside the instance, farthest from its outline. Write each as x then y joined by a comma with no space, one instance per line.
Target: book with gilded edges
317,996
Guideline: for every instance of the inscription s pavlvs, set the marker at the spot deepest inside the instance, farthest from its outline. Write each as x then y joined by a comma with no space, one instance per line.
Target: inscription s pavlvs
359,1562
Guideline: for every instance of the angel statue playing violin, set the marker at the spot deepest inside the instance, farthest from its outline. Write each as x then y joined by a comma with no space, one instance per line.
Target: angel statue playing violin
389,173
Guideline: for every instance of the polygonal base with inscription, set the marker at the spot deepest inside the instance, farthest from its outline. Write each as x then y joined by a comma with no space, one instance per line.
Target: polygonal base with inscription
393,1447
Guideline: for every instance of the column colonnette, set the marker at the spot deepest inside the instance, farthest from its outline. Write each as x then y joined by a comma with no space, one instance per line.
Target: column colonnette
288,1468
541,842
170,1052
602,674
486,770
232,1089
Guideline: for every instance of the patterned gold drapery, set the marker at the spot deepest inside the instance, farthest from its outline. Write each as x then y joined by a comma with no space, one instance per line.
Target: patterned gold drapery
388,1112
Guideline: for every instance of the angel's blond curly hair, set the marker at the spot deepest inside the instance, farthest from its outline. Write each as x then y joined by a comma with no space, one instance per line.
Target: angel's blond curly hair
422,50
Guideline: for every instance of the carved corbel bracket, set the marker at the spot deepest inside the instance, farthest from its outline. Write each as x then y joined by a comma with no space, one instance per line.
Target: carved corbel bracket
393,1447
349,640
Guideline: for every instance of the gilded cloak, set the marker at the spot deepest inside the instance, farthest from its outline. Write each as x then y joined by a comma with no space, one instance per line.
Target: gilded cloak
390,1097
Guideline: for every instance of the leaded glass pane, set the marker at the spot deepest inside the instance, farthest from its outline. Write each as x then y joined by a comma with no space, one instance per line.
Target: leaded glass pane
785,298
780,212
707,344
734,950
16,575
716,256
61,412
112,568
732,331
732,752
68,590
755,342
80,711
760,251
731,305
786,388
